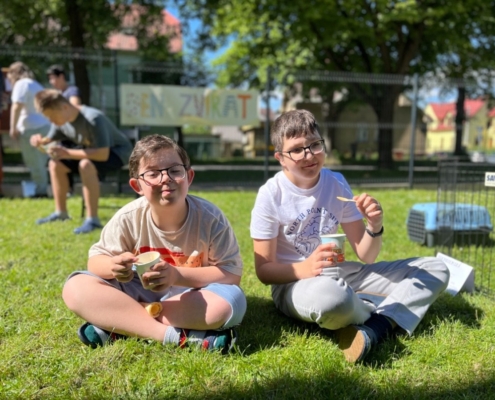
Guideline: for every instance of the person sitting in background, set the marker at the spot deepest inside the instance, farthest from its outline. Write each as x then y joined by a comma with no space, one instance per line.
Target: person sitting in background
102,148
25,122
298,205
58,79
196,281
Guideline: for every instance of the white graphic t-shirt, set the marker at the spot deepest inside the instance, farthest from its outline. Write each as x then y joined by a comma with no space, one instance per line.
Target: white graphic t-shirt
205,239
299,216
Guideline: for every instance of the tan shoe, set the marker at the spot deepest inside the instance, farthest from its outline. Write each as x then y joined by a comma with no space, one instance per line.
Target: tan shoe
354,342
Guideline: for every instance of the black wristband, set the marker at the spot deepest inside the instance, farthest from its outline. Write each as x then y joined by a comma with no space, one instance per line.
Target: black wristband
373,234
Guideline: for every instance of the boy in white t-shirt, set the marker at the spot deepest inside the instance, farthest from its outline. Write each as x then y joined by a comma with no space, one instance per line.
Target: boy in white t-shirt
197,281
298,205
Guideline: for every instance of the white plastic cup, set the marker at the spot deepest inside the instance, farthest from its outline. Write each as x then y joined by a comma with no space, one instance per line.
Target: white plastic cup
339,249
145,262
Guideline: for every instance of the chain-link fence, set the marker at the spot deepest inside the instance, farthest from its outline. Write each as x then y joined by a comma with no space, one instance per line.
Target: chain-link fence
105,71
465,215
370,120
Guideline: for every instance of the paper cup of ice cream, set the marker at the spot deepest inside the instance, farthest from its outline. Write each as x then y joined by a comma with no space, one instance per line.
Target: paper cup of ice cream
145,262
339,249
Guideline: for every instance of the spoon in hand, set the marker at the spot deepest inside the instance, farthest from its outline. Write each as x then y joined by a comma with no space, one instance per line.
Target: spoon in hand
344,199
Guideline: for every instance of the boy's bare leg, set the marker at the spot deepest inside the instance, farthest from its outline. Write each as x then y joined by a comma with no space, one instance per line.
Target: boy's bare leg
60,184
113,310
91,187
109,308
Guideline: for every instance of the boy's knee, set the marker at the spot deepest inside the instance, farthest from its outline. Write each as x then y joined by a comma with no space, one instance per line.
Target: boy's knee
73,290
86,166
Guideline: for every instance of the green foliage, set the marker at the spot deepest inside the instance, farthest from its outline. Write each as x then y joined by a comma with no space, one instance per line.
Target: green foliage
450,356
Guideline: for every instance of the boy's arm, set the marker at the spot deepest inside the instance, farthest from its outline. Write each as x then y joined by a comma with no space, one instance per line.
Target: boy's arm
366,247
60,152
270,271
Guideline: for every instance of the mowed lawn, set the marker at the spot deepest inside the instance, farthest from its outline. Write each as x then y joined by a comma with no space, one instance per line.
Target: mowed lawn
450,356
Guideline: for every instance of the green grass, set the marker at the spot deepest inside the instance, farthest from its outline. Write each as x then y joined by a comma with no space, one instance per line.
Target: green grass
450,356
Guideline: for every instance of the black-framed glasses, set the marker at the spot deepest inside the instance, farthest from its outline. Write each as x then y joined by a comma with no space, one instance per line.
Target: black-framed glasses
155,176
299,153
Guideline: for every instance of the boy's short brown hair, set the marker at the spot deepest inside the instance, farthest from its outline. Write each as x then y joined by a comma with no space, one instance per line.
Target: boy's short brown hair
148,146
293,124
49,99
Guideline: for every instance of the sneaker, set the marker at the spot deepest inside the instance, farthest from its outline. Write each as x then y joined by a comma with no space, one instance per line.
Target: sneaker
93,336
52,218
87,226
222,341
355,342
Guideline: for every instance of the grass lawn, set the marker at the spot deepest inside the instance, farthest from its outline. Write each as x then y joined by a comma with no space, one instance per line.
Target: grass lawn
450,356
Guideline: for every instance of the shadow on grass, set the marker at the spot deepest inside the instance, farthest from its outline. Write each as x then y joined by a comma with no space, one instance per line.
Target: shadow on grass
264,327
348,385
448,308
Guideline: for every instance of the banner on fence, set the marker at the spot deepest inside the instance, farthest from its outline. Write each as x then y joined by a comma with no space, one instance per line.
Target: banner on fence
166,105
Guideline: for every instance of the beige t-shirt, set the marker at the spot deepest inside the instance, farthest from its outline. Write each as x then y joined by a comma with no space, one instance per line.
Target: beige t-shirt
206,238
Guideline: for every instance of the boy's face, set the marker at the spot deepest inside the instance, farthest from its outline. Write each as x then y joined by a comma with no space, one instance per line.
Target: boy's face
168,191
59,115
57,81
303,173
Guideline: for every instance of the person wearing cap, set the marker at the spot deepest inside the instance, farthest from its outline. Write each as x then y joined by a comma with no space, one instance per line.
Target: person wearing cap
25,122
58,79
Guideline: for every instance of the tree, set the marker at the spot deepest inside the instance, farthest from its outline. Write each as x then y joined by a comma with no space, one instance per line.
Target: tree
74,24
464,61
379,37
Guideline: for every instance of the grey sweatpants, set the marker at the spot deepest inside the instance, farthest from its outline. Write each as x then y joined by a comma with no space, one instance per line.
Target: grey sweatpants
330,299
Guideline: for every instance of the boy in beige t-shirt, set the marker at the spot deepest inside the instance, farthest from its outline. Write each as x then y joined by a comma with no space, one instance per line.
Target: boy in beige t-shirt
197,279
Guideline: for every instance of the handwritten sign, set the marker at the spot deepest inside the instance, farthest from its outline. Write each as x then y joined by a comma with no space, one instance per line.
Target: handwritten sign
165,105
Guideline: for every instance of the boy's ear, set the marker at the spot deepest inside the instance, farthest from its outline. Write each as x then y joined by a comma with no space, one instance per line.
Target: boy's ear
279,157
136,186
190,176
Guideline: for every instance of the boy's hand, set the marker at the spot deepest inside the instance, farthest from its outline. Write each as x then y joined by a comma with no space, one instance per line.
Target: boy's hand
122,267
36,140
322,257
161,277
58,152
371,209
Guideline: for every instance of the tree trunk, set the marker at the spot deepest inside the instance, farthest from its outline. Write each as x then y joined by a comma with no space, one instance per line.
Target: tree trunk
180,136
385,117
460,117
76,34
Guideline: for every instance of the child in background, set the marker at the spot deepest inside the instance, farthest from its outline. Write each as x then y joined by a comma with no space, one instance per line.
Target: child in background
197,281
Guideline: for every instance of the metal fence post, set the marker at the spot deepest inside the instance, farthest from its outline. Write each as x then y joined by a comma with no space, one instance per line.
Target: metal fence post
267,123
414,107
116,84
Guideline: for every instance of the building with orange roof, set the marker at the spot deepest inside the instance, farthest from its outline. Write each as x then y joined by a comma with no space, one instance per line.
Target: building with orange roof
440,122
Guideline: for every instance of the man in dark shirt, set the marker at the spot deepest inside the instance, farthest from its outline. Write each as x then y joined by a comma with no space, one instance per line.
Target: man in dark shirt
100,147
